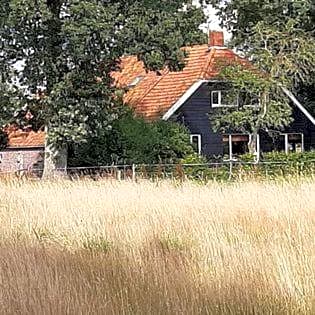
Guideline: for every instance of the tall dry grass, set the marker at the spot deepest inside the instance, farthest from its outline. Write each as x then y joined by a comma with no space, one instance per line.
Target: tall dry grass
156,248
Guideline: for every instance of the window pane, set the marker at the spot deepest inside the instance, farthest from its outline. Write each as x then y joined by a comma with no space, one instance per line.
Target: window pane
295,142
195,141
240,144
215,98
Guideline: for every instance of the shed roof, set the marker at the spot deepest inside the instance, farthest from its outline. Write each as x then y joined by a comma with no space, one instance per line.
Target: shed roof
18,138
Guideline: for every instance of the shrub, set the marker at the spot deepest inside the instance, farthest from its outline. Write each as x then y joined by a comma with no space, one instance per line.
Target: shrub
133,140
3,139
282,164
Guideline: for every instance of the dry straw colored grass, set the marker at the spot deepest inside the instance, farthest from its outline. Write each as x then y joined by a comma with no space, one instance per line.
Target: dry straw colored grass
157,248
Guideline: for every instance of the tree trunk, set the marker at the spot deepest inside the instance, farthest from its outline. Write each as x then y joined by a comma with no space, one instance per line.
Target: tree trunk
253,146
55,159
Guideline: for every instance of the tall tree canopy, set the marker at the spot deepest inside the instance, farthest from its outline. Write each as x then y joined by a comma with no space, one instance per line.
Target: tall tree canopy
59,50
279,36
240,17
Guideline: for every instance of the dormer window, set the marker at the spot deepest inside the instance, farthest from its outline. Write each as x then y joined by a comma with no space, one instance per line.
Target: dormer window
224,98
136,81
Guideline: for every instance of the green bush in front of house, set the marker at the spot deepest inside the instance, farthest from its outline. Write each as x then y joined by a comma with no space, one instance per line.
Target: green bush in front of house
272,165
198,168
281,164
132,140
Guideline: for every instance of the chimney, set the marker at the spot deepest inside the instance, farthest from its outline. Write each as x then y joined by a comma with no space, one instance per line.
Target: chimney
216,38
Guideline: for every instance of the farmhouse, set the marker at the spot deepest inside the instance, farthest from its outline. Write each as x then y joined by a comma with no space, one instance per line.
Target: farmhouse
191,96
188,97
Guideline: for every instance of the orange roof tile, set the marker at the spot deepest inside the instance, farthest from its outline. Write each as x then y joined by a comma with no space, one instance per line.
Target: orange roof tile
18,138
155,94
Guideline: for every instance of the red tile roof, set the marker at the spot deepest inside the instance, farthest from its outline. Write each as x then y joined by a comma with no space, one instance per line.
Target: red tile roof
18,138
155,94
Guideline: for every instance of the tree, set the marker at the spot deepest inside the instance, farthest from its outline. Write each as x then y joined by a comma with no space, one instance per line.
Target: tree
278,38
62,53
133,140
260,104
280,32
240,17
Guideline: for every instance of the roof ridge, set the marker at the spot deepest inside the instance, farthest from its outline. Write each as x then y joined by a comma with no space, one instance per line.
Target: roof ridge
153,85
209,60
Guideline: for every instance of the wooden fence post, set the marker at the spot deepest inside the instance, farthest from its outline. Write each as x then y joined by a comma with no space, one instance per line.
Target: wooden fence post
119,175
133,172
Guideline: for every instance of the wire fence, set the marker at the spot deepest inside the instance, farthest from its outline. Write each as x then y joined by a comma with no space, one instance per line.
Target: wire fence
228,170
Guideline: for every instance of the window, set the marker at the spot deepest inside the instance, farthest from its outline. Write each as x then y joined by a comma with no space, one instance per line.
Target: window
224,99
195,140
136,81
293,142
235,145
228,98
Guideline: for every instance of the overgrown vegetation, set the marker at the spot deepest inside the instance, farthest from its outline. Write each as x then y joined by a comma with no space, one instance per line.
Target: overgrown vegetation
125,248
273,166
133,140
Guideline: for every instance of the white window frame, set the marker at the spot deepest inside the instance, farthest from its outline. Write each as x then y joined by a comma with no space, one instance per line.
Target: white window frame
220,100
230,105
231,153
286,140
199,141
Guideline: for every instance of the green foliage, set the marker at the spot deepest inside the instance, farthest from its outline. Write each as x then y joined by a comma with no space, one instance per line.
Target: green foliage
306,94
3,139
271,111
241,16
279,164
133,140
62,47
278,37
201,171
193,159
97,244
306,157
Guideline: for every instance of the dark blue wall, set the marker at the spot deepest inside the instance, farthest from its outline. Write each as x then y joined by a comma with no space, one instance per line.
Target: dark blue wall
194,114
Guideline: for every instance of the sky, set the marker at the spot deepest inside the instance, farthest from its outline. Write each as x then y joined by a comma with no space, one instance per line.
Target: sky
213,23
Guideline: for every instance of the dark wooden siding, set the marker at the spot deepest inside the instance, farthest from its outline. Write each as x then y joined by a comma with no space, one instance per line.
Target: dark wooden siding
194,114
301,124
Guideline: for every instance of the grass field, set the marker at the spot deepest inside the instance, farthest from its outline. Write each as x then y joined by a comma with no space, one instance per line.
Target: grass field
102,247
